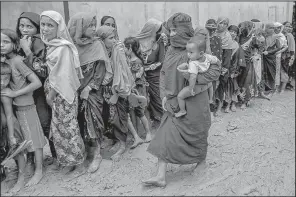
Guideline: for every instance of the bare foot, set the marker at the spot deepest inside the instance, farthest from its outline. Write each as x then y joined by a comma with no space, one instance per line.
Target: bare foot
68,169
148,137
18,186
114,147
137,142
180,113
227,109
262,95
35,179
233,108
118,154
200,168
244,106
95,164
217,113
155,181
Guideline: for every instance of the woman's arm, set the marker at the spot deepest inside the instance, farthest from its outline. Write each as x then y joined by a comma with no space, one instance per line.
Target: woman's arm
211,75
278,47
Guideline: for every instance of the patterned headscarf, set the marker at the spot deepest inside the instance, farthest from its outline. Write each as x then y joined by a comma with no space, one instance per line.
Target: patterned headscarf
104,31
182,23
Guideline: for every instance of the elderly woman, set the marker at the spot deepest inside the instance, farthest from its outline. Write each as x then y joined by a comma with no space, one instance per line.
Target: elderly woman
95,64
61,89
153,51
116,90
181,140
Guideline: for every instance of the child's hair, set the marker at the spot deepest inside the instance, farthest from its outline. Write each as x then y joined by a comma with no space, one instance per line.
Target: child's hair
199,41
255,46
133,43
13,37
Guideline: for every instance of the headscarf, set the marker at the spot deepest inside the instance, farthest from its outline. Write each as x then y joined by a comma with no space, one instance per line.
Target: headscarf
123,80
104,18
280,35
64,72
270,39
184,30
148,34
225,36
33,17
203,34
90,50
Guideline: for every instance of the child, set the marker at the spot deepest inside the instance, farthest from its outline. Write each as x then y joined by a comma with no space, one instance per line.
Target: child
199,63
256,59
136,64
22,84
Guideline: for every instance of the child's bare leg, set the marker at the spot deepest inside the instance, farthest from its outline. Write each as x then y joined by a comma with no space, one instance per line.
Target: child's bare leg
218,112
97,158
7,104
146,127
283,87
137,139
183,94
38,171
21,173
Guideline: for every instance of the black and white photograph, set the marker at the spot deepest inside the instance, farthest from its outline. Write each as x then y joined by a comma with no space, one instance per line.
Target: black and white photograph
147,98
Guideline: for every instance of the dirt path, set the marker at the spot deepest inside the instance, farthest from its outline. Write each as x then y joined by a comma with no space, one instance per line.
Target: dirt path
250,153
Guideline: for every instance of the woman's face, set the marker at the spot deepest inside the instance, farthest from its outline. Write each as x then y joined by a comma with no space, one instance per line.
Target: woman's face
222,26
288,28
173,31
277,29
110,41
91,29
233,34
269,30
110,22
6,45
26,27
49,28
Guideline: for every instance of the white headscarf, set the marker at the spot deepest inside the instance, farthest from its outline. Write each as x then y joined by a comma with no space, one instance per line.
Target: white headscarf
65,70
281,36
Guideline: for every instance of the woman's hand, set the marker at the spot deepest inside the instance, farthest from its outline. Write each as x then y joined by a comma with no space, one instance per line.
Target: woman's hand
164,100
113,99
25,44
9,93
265,53
85,92
164,39
49,101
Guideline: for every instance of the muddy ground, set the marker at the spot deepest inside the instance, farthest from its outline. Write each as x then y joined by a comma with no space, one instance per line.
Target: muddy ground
250,152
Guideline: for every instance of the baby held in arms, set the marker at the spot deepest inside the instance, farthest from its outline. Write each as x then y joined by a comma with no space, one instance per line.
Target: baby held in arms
199,62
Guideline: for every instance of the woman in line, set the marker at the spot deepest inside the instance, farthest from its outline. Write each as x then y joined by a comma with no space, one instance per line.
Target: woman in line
34,51
117,90
153,52
61,89
110,21
95,66
269,56
278,28
181,140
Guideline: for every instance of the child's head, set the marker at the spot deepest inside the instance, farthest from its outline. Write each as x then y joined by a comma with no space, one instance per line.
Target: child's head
196,48
255,48
211,25
28,24
131,46
9,41
222,24
234,31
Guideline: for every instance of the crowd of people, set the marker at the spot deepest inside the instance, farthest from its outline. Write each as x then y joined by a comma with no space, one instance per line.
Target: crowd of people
74,86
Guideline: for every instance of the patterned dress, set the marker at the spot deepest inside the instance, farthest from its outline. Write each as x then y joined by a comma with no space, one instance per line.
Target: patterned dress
65,130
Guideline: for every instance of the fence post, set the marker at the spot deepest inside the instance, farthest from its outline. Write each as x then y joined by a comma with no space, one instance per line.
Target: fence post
66,11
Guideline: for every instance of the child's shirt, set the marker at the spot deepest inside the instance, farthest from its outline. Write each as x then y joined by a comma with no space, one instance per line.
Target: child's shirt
5,74
137,67
19,80
196,67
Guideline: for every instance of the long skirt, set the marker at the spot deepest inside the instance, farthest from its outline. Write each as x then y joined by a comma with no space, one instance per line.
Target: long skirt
278,69
90,116
285,59
115,116
31,126
154,105
269,70
183,140
65,130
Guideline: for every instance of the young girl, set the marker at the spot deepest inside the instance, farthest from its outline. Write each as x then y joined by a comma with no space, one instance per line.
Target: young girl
136,64
199,63
22,84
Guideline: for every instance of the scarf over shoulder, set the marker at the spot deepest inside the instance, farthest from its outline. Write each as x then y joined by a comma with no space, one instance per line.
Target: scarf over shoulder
62,60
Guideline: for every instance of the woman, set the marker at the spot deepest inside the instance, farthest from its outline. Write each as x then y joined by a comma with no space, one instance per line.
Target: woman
110,21
286,57
291,49
61,89
269,56
284,46
116,90
153,51
94,64
34,51
181,140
